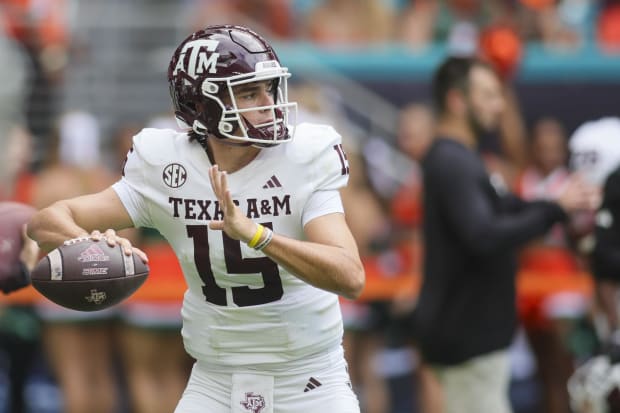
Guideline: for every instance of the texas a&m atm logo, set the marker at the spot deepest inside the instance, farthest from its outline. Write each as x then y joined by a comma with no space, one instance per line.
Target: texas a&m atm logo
253,402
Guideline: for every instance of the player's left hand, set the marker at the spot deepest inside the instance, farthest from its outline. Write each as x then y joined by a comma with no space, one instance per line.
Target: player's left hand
579,195
235,224
28,257
29,254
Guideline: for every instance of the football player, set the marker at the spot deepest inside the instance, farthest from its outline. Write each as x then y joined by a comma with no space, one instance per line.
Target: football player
595,151
256,221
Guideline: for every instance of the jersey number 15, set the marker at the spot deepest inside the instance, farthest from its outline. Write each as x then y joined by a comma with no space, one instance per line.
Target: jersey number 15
243,296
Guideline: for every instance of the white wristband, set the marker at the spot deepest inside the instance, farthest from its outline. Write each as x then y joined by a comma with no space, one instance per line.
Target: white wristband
265,241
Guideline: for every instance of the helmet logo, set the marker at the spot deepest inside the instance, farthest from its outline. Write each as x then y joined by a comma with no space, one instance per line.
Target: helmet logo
194,59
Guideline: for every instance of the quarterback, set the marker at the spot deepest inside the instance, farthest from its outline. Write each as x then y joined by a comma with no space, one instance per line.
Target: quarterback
250,203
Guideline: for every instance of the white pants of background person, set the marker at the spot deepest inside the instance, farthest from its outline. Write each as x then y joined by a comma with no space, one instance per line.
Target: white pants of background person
478,385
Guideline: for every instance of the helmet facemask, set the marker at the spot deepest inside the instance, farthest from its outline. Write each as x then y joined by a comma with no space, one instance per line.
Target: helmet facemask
233,123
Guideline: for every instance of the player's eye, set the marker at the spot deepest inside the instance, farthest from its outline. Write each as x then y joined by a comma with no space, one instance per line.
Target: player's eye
248,95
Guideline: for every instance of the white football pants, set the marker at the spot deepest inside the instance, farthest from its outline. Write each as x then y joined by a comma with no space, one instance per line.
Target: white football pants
323,389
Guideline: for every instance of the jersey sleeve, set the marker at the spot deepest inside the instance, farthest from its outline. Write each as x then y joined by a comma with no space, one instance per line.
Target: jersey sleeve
330,166
130,189
317,150
322,203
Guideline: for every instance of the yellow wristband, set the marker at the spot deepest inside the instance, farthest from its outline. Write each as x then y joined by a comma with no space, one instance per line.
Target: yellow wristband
259,232
265,241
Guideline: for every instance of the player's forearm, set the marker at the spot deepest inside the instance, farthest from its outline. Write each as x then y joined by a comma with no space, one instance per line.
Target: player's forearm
51,226
327,267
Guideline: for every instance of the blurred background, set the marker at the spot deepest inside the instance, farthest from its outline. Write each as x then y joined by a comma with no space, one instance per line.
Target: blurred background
79,78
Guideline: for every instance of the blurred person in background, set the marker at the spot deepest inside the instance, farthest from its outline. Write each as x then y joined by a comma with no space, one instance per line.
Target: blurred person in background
14,77
261,313
548,317
465,316
557,25
78,345
19,324
415,134
270,16
422,23
606,26
41,28
18,179
595,152
504,150
365,319
349,23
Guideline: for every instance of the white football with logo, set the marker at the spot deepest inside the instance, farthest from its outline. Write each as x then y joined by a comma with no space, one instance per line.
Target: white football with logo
88,275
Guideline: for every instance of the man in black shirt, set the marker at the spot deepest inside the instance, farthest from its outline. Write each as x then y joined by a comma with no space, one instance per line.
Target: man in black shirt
466,316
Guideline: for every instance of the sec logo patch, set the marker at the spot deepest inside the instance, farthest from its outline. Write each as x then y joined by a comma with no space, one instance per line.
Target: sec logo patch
174,175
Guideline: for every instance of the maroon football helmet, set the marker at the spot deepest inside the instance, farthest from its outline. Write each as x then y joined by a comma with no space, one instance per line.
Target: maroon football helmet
205,68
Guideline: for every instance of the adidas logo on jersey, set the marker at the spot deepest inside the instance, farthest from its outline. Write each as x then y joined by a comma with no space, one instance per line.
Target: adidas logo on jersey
273,182
312,384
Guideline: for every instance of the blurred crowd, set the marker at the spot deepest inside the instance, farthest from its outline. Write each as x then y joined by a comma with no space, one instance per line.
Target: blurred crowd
419,23
131,358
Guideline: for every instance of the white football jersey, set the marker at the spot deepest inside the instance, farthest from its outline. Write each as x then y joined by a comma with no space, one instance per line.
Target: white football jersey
595,149
241,308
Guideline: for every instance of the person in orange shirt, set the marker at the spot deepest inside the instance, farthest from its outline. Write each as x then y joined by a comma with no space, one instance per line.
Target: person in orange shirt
546,317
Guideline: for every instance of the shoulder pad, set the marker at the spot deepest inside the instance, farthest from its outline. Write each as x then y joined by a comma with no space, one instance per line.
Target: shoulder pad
310,140
157,146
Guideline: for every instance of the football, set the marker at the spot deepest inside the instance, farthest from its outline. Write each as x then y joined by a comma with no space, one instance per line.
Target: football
87,275
13,216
